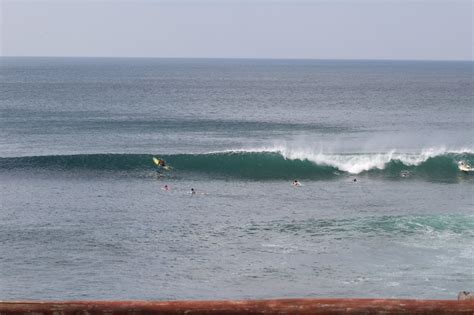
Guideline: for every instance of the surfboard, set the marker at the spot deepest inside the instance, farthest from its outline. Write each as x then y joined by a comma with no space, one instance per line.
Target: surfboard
157,162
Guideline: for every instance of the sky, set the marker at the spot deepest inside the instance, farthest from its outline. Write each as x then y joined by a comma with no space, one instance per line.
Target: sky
308,29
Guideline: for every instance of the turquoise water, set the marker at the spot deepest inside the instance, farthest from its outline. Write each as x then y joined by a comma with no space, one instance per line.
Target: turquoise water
263,165
84,216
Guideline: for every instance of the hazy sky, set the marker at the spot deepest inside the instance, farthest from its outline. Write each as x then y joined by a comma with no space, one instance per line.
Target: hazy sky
321,29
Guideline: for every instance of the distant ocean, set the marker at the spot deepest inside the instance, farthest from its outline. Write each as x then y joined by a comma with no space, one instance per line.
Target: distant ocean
383,210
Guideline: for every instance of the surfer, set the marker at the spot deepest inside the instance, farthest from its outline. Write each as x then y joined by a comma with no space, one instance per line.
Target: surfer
464,166
296,183
405,173
355,180
161,166
162,163
166,188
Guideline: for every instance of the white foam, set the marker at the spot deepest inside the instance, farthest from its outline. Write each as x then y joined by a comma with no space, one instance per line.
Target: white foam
353,163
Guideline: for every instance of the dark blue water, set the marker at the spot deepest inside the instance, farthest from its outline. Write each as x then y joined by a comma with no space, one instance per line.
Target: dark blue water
83,214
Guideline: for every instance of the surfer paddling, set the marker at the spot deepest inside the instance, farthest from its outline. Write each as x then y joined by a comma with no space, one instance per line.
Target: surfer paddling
161,165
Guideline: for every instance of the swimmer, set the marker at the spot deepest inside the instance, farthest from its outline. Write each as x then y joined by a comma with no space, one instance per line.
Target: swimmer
296,183
355,180
192,192
166,188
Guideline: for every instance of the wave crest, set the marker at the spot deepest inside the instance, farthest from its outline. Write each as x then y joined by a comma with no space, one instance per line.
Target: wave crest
261,164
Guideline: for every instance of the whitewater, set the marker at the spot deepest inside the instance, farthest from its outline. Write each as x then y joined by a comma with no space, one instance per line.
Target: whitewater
262,164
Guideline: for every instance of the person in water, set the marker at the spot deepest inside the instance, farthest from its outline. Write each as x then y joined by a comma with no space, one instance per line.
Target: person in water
166,188
296,183
193,192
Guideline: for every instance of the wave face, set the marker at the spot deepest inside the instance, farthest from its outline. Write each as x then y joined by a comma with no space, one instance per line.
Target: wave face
262,165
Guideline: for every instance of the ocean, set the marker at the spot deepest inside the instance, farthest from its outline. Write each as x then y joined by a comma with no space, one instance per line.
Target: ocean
382,210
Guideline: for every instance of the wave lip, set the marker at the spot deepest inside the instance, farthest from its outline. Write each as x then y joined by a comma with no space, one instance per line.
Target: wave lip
363,162
261,164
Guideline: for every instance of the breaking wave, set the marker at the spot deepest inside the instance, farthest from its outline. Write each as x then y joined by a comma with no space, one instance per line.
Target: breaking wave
262,164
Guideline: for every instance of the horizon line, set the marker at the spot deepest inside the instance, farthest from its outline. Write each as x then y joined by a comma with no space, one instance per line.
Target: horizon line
239,58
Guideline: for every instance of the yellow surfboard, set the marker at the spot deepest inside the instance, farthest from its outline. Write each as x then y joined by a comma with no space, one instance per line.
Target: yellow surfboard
157,162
